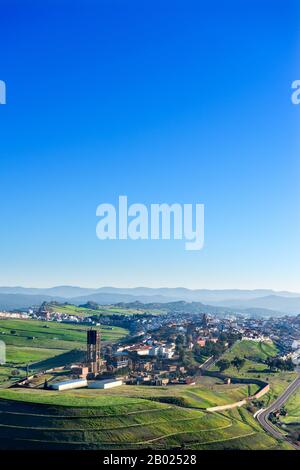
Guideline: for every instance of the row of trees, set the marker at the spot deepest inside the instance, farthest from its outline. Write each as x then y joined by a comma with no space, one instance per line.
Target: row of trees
185,356
210,349
237,362
192,358
275,364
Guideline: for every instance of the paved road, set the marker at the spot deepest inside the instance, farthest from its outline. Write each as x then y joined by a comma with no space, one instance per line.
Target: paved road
262,416
208,363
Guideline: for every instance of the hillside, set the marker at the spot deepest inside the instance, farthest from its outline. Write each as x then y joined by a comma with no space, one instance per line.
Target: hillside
255,353
291,422
122,423
43,345
265,302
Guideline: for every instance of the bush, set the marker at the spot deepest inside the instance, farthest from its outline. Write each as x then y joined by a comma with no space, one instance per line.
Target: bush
178,401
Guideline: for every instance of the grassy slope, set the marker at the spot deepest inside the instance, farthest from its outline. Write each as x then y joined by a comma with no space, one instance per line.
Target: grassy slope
36,341
291,422
107,310
293,408
197,396
51,335
126,418
121,422
254,368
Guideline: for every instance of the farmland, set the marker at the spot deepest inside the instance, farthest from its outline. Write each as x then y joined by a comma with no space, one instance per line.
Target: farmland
42,344
126,417
53,335
95,420
211,393
69,309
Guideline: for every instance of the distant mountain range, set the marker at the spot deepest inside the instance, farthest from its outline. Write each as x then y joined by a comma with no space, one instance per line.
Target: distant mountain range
260,301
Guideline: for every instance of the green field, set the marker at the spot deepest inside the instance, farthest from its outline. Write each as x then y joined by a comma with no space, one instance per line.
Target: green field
255,353
195,396
45,344
291,422
97,420
293,408
52,335
103,310
135,416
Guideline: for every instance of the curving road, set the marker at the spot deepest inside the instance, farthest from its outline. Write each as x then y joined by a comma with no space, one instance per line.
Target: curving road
263,414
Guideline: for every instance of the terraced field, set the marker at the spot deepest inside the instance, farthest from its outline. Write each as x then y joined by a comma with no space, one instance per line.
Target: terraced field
212,393
133,417
120,422
195,396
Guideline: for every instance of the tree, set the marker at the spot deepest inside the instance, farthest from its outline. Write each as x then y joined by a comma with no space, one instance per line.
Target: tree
90,305
276,363
270,363
283,411
223,364
179,342
238,363
288,365
181,353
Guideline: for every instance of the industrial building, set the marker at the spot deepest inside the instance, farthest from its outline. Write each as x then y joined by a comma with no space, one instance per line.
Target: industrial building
80,371
104,384
69,384
93,351
119,359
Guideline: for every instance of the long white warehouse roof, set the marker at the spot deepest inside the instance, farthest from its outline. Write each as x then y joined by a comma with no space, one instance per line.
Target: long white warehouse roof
69,384
105,383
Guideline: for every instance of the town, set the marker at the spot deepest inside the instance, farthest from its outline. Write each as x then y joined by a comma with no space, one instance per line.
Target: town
175,347
137,361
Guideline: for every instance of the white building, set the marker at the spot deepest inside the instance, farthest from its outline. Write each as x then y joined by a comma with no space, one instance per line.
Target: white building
69,384
296,344
144,351
104,384
296,357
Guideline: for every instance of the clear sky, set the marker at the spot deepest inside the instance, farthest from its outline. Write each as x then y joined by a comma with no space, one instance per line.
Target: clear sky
163,101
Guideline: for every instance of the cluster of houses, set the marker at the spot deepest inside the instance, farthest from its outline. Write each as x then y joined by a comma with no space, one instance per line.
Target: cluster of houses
282,331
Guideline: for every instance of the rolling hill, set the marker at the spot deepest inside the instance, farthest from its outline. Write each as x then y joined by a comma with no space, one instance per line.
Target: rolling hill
85,420
262,302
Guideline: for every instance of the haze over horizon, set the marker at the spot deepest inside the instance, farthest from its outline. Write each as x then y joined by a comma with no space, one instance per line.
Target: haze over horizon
154,287
257,302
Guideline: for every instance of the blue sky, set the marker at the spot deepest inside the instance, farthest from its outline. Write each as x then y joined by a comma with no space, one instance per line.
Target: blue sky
163,101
